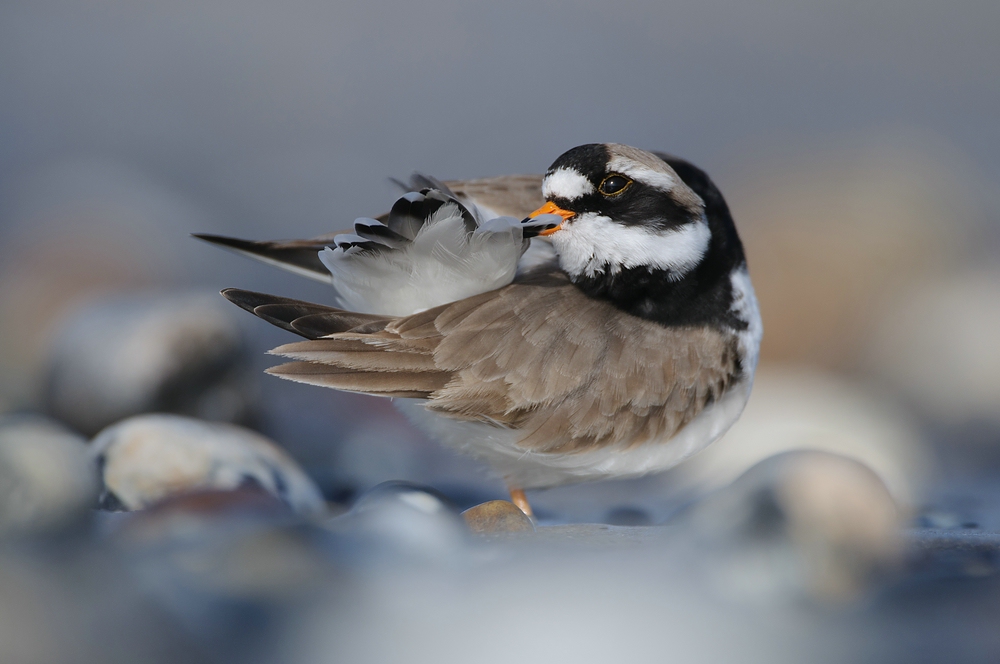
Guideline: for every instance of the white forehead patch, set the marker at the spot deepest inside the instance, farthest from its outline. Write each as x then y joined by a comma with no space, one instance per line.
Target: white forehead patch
566,183
642,173
592,243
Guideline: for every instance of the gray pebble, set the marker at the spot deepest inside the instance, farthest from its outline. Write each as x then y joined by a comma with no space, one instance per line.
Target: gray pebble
147,458
125,355
497,516
405,518
803,523
46,477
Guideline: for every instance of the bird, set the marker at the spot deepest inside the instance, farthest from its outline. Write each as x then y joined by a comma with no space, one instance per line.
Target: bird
596,321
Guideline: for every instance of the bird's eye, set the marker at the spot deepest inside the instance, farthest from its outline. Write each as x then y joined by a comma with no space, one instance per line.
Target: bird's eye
614,184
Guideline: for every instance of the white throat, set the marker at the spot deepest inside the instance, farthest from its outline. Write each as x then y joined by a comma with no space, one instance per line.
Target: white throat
592,244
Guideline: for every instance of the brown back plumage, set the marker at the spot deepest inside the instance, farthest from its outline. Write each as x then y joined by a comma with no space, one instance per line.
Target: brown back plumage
570,372
507,195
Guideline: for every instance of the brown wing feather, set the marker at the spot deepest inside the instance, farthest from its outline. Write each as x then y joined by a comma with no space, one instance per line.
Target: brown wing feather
571,372
356,355
387,384
572,386
507,195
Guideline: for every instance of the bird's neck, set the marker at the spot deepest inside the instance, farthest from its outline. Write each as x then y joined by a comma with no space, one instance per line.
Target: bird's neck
702,296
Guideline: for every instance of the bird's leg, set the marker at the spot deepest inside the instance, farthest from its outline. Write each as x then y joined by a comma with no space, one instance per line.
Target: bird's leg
518,498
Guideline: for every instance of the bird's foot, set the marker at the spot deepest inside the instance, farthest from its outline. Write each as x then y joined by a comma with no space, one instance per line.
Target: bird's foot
518,498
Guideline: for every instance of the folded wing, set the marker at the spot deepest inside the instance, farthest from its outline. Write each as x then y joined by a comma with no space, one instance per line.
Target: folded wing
519,357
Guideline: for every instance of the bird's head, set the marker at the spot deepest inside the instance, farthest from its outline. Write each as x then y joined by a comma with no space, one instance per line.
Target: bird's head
613,207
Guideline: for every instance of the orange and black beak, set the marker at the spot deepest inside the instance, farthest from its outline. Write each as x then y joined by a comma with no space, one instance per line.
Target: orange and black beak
546,220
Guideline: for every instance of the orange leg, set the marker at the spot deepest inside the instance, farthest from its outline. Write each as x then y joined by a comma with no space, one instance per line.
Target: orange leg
518,498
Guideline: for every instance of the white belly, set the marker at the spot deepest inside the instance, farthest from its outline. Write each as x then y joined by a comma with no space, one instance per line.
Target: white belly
536,470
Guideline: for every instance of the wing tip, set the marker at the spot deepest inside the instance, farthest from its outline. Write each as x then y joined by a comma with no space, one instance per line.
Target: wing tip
224,240
244,299
298,256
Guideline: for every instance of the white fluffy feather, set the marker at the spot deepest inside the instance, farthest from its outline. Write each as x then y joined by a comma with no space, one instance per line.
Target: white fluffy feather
444,263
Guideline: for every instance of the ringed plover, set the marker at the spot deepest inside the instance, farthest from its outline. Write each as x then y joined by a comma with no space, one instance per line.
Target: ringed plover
595,322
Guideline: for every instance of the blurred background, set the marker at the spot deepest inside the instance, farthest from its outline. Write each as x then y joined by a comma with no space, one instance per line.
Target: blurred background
857,145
